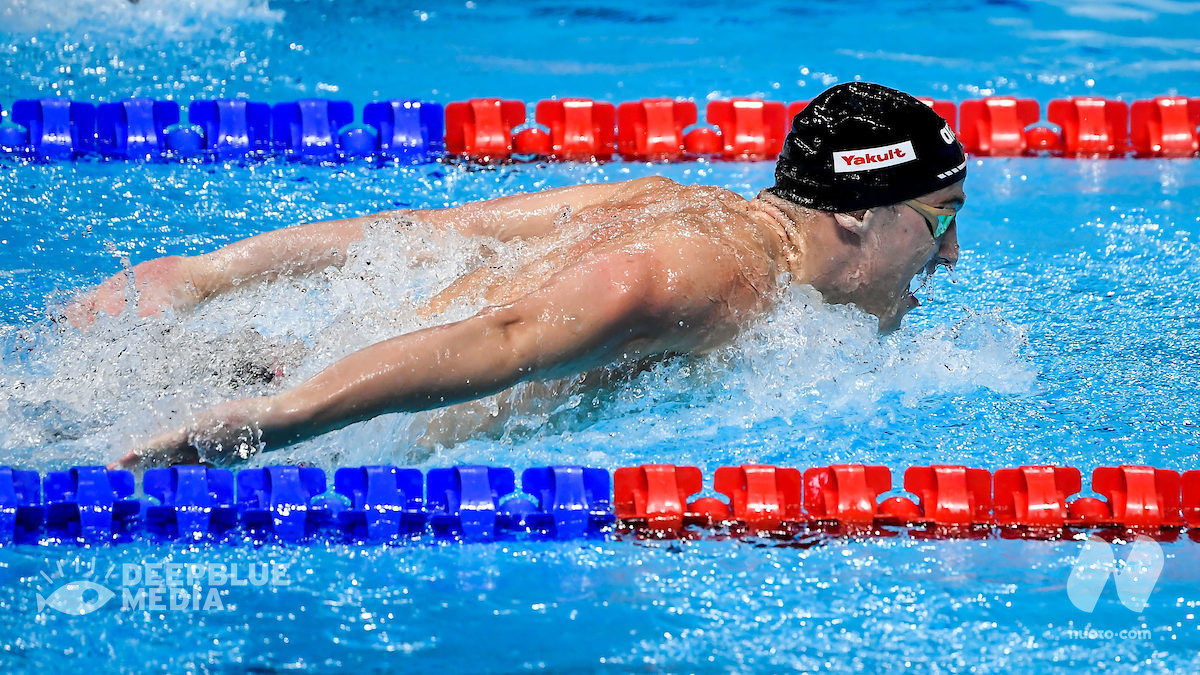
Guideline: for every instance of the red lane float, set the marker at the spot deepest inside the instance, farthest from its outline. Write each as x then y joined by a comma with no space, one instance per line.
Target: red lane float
652,129
580,130
755,129
951,495
1033,496
1136,497
846,494
995,126
654,496
1166,126
950,500
1191,498
1091,127
751,128
763,498
481,128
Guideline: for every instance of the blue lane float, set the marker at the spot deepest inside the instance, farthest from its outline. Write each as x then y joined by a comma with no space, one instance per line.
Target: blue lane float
90,504
384,502
574,500
372,504
285,502
308,129
135,128
193,501
21,511
224,129
51,128
409,130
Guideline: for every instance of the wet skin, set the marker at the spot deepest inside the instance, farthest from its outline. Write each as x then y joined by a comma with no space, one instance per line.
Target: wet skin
638,270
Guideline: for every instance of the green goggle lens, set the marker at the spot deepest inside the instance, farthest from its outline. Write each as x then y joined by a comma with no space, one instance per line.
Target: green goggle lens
938,220
943,225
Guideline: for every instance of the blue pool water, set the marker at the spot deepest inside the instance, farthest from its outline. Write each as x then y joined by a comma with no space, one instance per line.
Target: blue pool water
1068,335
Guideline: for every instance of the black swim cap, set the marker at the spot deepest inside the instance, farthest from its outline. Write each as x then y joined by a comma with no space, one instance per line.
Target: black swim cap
860,145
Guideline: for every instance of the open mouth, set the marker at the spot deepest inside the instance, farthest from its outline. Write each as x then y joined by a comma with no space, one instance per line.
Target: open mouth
925,279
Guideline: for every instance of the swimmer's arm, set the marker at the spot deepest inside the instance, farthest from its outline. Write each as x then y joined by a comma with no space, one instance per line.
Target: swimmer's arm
526,215
181,282
597,312
592,314
298,249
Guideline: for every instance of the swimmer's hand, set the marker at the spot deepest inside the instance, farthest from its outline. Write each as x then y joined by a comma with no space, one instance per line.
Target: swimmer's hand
225,433
160,284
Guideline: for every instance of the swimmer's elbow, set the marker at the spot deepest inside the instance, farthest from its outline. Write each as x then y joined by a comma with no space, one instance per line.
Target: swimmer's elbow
571,331
507,337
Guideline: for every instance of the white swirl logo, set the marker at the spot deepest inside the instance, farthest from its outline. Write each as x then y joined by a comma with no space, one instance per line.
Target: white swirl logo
1135,580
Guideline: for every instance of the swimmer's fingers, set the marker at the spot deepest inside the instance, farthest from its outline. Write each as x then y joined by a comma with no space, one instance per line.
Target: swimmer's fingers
108,297
79,314
231,431
166,449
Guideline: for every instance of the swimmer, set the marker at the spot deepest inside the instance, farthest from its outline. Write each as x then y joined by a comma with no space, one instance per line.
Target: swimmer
866,193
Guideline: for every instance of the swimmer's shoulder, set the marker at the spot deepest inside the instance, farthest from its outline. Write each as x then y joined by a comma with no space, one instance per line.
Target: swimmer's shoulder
647,187
650,183
663,190
697,273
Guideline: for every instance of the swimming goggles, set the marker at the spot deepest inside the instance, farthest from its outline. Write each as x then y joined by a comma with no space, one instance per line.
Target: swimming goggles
936,219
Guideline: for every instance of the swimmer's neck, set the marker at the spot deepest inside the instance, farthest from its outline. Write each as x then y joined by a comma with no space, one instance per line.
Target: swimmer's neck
810,248
789,224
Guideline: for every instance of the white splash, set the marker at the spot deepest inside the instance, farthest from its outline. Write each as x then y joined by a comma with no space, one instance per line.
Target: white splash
146,18
77,397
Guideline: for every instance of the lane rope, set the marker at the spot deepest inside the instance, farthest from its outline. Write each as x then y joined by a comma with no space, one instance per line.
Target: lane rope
562,129
381,504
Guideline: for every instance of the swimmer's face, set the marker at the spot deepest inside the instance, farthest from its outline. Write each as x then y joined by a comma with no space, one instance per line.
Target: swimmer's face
896,247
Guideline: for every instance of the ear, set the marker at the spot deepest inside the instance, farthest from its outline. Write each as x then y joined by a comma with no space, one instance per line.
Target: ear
855,221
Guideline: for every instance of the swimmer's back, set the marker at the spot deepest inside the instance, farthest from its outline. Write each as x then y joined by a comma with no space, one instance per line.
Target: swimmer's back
683,227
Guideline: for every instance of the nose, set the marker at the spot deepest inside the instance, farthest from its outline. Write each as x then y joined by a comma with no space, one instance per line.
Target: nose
948,251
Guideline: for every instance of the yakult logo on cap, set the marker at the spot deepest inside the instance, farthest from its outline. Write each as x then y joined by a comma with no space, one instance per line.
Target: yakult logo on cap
869,159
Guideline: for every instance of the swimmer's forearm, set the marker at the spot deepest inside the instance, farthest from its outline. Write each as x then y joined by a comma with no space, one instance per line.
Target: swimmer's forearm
426,369
291,250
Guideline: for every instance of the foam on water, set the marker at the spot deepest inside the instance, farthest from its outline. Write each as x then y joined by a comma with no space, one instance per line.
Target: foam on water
146,19
87,396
